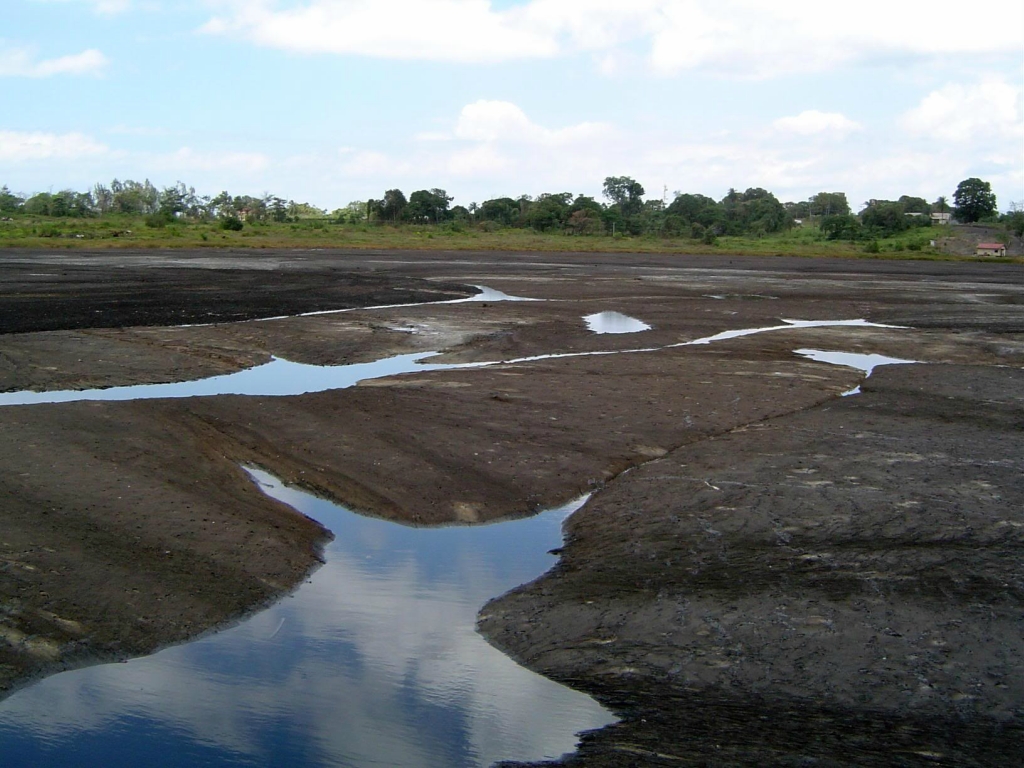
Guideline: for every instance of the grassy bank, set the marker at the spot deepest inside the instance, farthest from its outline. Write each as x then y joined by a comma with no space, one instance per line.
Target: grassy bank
26,231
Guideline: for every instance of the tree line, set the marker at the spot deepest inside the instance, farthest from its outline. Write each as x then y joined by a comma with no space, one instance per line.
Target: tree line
159,206
754,212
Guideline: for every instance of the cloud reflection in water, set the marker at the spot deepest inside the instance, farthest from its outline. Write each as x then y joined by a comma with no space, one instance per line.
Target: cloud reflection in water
375,661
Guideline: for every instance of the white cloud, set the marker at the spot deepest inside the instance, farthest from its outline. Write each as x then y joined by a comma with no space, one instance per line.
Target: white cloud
451,30
746,38
494,121
496,149
484,160
961,113
739,161
18,146
812,122
105,7
749,38
374,165
20,62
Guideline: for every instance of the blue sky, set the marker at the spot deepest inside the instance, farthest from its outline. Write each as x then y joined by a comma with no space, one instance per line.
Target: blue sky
329,101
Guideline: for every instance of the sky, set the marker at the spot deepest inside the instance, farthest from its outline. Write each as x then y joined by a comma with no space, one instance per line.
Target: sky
331,101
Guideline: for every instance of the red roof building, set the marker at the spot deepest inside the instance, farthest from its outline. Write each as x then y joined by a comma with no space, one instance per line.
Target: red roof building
991,249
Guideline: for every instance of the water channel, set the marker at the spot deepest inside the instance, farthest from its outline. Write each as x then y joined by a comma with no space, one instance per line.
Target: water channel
375,661
282,378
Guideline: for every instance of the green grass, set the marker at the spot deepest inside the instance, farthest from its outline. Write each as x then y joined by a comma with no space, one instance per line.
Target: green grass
128,232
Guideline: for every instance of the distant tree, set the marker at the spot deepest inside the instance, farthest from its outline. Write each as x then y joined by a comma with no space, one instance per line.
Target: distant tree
306,211
799,210
584,221
73,204
624,192
103,199
428,206
627,199
914,204
584,203
754,212
828,204
174,200
355,212
393,205
133,197
549,211
222,205
9,202
39,205
841,227
883,218
941,204
652,217
974,200
277,208
1014,219
502,210
249,208
375,210
692,209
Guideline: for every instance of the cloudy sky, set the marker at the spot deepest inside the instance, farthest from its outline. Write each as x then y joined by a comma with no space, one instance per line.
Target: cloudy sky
328,101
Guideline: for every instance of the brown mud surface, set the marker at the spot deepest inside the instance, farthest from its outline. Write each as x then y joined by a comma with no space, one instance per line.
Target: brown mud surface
784,576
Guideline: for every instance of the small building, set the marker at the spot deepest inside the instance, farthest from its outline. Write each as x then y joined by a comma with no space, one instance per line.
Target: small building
942,218
991,249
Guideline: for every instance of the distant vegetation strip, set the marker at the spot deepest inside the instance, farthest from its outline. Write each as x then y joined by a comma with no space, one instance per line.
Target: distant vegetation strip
133,214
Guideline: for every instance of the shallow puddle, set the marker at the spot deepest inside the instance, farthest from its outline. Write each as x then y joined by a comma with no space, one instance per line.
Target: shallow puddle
862,362
375,661
278,378
788,325
486,295
614,322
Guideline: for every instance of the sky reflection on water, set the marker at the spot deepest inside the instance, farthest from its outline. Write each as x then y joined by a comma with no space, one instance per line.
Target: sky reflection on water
859,360
282,378
375,661
614,322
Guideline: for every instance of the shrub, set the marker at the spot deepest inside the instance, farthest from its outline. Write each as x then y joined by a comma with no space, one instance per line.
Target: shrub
232,223
872,247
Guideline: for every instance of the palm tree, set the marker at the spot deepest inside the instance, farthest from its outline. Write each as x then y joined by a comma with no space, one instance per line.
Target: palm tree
941,205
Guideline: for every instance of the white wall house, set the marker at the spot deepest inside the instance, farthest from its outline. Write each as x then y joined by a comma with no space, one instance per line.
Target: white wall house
991,249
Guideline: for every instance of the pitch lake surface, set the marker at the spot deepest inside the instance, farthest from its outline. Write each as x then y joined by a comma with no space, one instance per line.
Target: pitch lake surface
375,661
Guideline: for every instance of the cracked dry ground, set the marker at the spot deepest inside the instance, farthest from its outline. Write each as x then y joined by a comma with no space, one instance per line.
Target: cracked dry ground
785,576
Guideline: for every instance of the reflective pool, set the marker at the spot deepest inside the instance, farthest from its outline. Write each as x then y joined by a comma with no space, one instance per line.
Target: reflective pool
614,322
373,662
859,360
